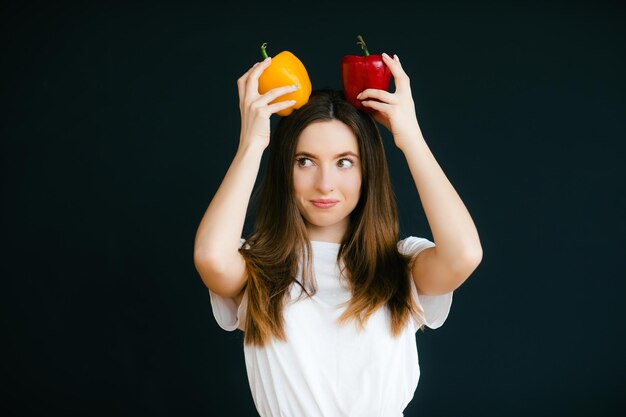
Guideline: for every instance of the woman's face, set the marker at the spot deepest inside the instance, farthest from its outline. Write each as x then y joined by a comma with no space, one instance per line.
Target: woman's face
327,166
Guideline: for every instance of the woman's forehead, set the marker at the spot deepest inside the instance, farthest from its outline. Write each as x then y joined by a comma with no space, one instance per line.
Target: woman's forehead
327,138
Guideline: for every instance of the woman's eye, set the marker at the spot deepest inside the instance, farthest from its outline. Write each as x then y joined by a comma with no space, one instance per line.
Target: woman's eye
302,159
341,162
349,160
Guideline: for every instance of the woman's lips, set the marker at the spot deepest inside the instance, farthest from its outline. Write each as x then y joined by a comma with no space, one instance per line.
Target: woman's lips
322,204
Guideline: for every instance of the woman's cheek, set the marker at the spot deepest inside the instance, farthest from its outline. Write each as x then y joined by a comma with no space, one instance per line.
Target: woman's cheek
298,181
354,184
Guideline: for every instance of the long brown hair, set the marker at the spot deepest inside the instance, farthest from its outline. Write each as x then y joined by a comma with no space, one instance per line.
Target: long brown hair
377,271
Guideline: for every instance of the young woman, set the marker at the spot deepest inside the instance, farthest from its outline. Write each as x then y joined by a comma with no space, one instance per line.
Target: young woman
328,296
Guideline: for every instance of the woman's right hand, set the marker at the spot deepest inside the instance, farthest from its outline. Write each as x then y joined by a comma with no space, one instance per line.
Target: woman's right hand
255,108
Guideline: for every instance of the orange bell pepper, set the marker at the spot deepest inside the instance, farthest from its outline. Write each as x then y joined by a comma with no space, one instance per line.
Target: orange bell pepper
286,69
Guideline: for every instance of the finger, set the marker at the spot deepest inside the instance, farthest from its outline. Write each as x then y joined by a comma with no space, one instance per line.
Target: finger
241,81
277,92
252,83
376,105
374,93
281,105
245,76
400,77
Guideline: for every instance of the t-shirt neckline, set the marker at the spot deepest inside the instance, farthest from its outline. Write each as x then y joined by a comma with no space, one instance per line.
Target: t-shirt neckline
321,243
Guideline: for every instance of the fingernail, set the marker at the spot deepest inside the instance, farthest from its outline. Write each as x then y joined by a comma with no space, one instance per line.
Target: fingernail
396,57
255,65
267,59
385,55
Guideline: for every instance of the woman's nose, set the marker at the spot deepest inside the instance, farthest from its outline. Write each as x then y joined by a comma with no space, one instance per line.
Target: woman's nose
325,179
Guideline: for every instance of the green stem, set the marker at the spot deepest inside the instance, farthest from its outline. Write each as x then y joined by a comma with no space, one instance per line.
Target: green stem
363,46
263,53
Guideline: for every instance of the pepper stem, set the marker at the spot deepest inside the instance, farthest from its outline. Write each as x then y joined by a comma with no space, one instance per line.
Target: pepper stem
363,46
263,53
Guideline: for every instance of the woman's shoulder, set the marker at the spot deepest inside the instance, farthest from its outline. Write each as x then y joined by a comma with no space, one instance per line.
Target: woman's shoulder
242,241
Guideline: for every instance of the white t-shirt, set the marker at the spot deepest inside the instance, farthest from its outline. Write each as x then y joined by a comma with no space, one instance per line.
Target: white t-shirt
327,370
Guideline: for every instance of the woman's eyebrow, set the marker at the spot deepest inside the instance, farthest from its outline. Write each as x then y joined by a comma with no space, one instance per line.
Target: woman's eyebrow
310,155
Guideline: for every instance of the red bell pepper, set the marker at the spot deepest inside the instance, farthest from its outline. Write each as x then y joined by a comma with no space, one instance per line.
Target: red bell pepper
359,73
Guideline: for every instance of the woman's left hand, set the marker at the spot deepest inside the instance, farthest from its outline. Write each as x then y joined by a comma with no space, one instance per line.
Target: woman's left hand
395,111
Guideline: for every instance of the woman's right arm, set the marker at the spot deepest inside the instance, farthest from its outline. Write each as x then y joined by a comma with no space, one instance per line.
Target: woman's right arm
216,254
216,248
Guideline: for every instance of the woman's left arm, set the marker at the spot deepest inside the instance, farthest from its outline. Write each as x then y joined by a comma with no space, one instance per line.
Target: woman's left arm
458,249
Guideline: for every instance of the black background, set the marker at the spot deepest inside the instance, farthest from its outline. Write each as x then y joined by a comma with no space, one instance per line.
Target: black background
119,121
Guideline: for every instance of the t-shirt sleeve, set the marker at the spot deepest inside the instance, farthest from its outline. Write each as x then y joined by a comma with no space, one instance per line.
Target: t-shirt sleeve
435,307
227,315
